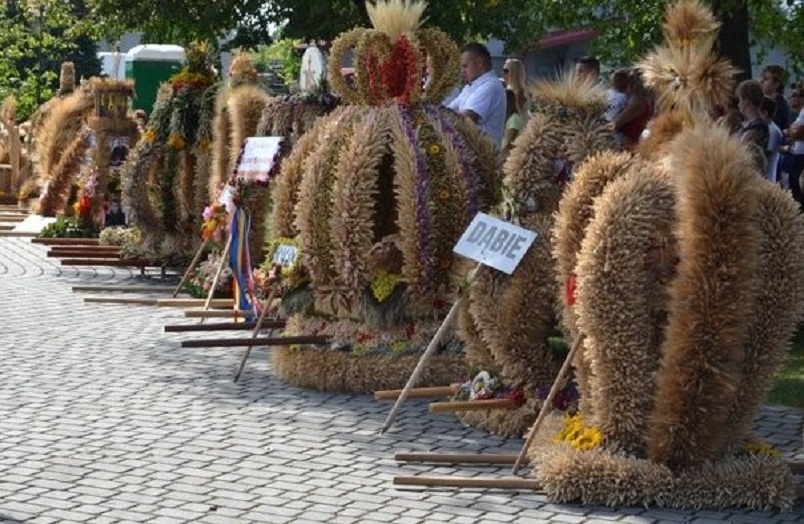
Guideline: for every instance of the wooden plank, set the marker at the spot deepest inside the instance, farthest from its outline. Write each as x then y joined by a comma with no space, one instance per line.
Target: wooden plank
143,301
472,405
86,255
219,314
457,458
66,241
469,482
84,247
80,250
195,302
265,341
439,391
110,262
225,326
124,289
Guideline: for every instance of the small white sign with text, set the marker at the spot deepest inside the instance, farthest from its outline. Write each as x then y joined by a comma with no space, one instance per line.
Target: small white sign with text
258,157
285,255
494,242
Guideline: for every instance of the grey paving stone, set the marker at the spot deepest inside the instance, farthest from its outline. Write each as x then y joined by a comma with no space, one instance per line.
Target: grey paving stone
102,414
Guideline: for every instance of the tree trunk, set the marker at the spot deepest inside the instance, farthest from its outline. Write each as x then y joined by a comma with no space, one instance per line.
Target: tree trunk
733,37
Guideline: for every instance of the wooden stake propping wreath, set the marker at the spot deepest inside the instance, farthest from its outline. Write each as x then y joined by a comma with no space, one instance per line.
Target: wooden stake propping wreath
548,402
488,241
266,306
190,269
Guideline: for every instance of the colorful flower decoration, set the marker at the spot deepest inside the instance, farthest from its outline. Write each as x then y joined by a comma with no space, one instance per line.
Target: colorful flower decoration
384,285
580,437
176,141
215,222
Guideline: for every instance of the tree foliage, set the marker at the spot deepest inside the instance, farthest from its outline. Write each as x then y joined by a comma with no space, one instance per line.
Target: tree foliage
626,29
35,38
182,21
282,51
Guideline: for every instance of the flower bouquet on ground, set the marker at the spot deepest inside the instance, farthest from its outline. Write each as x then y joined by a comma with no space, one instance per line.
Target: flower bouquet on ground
128,239
199,284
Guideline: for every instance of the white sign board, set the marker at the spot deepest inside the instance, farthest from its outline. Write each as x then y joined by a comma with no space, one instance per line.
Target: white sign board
313,70
258,157
285,255
495,243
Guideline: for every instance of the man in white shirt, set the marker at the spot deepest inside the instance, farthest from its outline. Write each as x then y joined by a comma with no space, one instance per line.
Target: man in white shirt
482,99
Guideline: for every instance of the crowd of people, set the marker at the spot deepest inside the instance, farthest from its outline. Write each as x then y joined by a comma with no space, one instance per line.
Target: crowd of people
758,113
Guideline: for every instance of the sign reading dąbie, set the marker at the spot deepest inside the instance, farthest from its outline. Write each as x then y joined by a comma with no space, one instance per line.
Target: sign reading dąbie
495,243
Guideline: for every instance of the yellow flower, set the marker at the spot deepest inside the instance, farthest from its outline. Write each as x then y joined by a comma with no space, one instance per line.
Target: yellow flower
434,149
444,194
573,426
204,146
149,135
398,346
176,142
589,438
761,448
384,284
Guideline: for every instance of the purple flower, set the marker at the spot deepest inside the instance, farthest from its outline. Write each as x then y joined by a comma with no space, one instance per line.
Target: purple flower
423,220
467,172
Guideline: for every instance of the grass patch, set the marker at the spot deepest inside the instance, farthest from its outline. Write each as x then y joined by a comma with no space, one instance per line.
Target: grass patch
789,388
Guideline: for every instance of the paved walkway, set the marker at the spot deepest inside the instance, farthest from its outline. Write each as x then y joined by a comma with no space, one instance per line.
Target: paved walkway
104,418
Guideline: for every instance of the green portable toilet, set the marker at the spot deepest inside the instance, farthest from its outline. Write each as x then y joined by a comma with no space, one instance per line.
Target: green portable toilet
148,66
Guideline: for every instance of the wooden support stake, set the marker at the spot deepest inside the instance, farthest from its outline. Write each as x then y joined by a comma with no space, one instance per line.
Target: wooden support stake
265,308
472,405
124,289
121,300
190,269
100,255
224,259
195,302
82,251
225,326
66,241
469,482
219,314
439,391
109,262
417,371
268,341
548,402
457,458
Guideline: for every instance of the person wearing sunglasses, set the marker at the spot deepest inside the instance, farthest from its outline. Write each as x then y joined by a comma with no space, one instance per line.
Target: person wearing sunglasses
515,79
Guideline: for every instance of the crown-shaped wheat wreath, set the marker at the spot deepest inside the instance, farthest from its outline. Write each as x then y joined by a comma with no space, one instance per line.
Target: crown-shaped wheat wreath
685,72
391,59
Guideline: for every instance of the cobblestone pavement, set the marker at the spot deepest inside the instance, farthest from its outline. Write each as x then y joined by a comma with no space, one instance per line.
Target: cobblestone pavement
104,418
